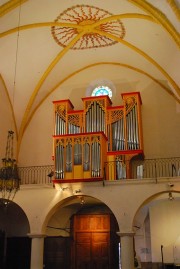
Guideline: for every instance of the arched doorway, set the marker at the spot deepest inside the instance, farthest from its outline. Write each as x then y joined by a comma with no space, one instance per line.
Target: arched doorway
82,234
15,246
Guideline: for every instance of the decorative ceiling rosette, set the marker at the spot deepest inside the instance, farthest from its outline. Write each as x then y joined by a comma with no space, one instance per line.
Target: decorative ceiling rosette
85,15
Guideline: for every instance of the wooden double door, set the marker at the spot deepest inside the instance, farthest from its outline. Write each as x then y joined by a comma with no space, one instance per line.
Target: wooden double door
92,244
92,250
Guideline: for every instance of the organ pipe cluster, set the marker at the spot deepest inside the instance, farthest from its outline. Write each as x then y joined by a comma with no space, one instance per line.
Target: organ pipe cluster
86,140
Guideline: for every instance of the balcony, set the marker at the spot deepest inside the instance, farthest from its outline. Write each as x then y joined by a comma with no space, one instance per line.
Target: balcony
113,170
142,169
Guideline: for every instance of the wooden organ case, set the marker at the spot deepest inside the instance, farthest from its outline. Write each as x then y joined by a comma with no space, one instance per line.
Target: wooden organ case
98,142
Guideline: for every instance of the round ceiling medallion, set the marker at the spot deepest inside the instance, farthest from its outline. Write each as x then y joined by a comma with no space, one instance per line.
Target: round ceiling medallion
85,15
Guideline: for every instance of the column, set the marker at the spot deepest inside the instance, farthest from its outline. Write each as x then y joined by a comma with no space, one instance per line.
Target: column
37,250
127,250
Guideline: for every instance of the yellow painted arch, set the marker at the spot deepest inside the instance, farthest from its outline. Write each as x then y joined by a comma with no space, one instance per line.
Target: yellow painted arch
39,25
146,56
156,15
91,28
159,17
175,8
46,73
91,66
10,5
76,26
62,53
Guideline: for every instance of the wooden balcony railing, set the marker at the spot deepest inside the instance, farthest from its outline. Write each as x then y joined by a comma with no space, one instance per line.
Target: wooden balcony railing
140,169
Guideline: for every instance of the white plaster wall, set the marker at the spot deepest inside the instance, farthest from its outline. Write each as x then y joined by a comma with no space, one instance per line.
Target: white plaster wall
124,199
59,224
176,249
165,223
142,240
161,124
37,143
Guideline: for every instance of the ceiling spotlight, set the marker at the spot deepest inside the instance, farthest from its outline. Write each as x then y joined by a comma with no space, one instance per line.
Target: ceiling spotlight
171,198
82,200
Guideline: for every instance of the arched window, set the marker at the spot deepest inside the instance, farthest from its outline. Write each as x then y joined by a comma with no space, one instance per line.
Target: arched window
102,90
101,87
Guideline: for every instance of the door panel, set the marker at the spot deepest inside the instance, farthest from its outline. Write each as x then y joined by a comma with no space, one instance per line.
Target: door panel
57,252
83,250
92,242
100,250
91,253
91,223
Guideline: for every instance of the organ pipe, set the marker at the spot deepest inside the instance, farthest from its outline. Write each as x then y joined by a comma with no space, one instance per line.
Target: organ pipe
121,128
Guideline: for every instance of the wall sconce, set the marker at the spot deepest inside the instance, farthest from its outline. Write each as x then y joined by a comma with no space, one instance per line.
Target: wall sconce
170,185
77,191
65,189
51,174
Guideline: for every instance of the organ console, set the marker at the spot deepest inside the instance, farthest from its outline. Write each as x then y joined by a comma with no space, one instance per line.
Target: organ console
97,142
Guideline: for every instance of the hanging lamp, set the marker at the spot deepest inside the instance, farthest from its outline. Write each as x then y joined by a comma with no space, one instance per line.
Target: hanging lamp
9,179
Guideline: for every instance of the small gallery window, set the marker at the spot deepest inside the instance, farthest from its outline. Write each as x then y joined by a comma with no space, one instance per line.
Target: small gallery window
102,90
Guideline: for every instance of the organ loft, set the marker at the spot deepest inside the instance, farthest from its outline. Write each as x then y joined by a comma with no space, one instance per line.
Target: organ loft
98,142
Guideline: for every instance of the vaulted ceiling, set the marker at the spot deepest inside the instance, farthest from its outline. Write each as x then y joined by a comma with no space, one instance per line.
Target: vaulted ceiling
45,44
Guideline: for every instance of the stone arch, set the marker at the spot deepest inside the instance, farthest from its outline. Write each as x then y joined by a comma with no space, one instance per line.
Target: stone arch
156,229
15,245
60,229
13,220
73,203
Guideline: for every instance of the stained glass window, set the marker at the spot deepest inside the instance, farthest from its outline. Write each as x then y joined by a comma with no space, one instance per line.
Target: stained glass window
102,90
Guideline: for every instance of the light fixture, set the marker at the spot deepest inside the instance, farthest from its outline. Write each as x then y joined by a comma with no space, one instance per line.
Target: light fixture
171,198
65,188
77,191
82,200
170,185
50,175
9,179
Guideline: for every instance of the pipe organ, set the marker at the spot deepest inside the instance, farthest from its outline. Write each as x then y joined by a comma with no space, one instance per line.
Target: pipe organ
99,141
